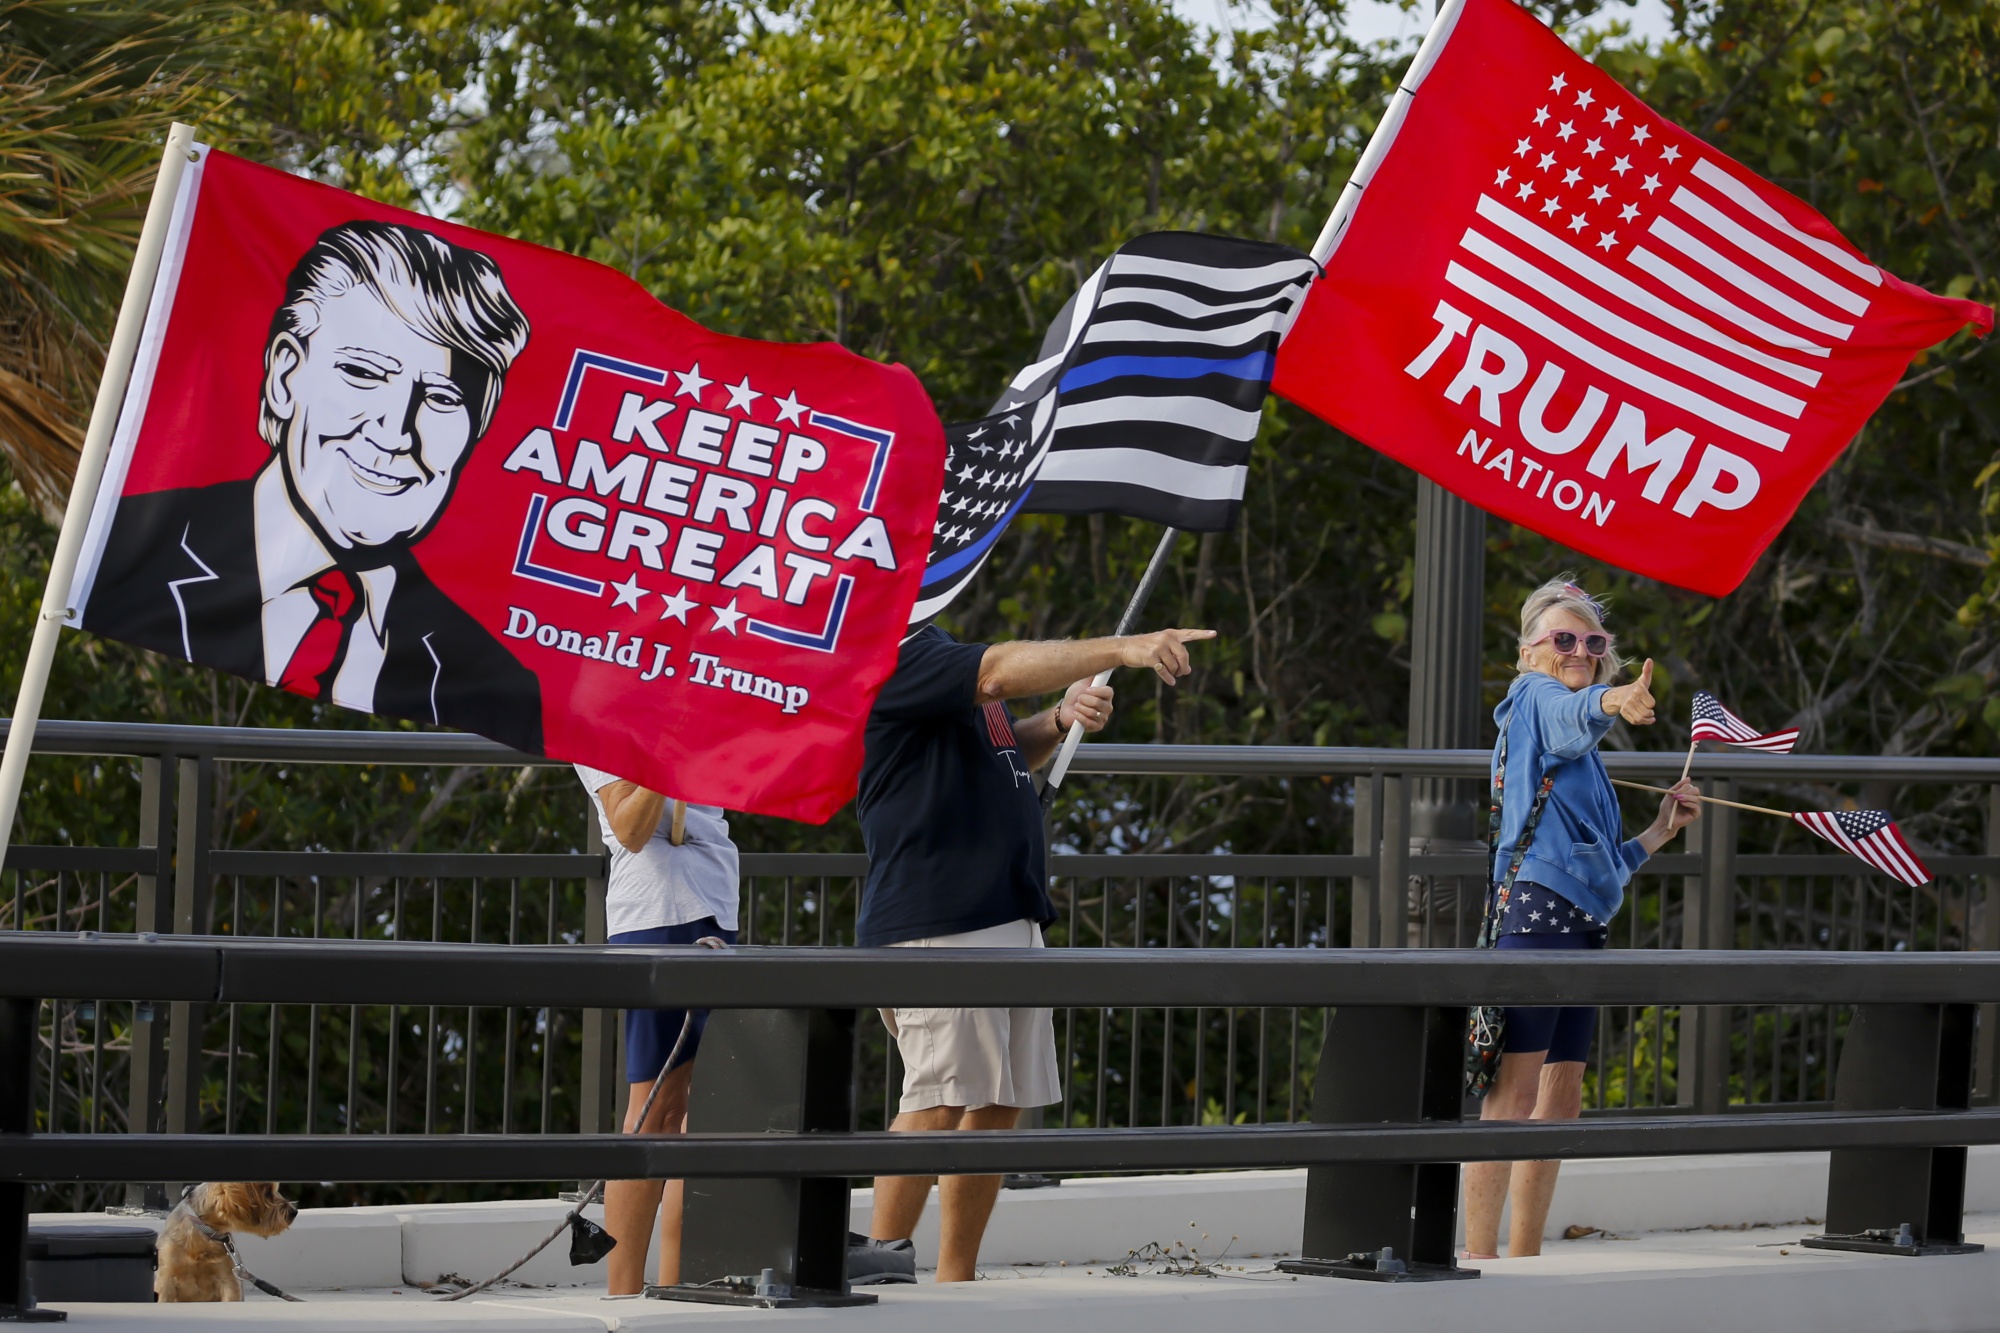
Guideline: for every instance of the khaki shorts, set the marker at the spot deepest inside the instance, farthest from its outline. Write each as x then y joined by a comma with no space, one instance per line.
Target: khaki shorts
977,1057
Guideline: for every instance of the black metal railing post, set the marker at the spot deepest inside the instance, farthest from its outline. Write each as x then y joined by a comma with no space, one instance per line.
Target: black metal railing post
1901,1057
1385,1221
158,787
193,839
600,1106
770,1071
18,1057
1392,880
1988,1090
1708,921
1364,921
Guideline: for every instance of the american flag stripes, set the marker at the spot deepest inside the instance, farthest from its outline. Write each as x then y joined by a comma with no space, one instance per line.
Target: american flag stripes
1713,722
1144,401
1871,835
1659,268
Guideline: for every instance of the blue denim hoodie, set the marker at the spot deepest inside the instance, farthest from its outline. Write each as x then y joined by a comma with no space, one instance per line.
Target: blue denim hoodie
1576,851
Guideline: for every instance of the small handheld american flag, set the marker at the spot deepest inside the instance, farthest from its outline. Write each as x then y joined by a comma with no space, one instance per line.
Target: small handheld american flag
1713,722
1871,835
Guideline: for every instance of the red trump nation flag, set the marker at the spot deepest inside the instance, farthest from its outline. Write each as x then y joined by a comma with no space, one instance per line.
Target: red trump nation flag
1582,318
418,470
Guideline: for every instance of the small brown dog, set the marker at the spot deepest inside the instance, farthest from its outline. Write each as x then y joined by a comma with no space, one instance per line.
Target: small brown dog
196,1263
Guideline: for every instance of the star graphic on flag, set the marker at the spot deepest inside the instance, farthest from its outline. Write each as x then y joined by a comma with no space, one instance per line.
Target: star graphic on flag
726,616
1504,176
977,433
1550,205
1584,99
968,472
678,605
1598,194
1605,240
1572,176
1521,148
692,382
1011,419
1612,115
1628,212
629,592
1564,131
1622,165
1640,133
1650,184
1576,222
742,395
790,409
1558,83
1526,191
1593,147
1671,153
1541,115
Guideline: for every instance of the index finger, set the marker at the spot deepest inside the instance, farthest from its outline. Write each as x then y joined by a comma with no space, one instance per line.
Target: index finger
1190,635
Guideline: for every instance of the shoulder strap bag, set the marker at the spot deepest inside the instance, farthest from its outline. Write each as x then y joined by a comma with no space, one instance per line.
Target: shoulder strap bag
1486,1025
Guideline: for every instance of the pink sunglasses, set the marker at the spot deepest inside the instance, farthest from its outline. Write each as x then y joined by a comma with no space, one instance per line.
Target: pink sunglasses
1566,641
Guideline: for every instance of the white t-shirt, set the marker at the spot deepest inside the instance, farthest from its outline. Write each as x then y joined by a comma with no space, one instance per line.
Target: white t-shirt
661,884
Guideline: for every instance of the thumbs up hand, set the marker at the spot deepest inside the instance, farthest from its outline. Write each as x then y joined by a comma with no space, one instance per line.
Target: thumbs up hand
1633,702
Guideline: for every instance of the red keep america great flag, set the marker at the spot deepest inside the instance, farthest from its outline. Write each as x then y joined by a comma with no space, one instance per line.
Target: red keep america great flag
1583,319
422,471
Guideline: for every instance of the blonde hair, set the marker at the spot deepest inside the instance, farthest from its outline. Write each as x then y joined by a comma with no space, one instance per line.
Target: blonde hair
1561,593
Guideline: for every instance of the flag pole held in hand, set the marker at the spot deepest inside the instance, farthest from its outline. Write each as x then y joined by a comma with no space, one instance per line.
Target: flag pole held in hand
1870,835
1140,596
1710,800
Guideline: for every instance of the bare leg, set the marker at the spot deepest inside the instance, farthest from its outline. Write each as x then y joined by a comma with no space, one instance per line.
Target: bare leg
1512,1097
1560,1097
629,1205
899,1200
967,1203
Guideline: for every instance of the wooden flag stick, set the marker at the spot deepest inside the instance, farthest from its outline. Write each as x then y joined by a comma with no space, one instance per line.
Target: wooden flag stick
1688,767
1712,800
677,834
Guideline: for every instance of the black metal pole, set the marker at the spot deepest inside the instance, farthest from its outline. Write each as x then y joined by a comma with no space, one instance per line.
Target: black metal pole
17,1116
1446,628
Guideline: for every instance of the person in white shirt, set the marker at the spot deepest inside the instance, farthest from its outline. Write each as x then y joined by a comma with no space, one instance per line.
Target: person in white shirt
659,892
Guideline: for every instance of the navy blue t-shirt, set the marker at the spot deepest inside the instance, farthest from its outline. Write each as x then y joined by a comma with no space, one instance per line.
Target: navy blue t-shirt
948,809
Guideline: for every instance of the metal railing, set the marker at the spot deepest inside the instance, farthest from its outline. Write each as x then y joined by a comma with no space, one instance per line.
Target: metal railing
219,971
375,1066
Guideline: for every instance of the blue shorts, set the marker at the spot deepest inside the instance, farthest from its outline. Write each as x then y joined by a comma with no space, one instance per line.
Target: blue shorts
650,1033
1564,1032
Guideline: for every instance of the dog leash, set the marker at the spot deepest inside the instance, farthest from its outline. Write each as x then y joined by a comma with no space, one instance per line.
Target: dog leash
575,1217
228,1244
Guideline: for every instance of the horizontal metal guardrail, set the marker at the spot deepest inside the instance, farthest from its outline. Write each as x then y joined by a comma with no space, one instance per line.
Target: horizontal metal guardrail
270,745
218,969
52,1158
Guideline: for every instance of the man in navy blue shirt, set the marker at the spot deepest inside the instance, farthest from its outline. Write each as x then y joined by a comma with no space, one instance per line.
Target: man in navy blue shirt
956,860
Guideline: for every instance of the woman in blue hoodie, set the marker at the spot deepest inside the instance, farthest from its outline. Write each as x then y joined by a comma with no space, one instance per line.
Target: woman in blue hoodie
1570,885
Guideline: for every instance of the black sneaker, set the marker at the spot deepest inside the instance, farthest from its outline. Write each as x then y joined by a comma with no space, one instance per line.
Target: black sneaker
872,1262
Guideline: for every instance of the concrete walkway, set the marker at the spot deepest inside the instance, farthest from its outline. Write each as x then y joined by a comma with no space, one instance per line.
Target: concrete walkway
1650,1283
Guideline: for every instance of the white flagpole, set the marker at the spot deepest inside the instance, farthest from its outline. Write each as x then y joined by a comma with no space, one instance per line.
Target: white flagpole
1126,622
89,470
1385,133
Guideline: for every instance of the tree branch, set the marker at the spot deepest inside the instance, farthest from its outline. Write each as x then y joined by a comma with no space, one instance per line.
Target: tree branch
1910,542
